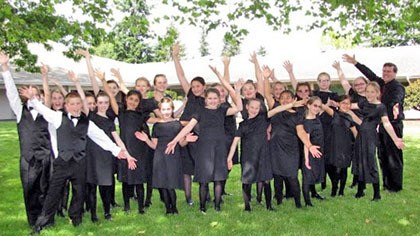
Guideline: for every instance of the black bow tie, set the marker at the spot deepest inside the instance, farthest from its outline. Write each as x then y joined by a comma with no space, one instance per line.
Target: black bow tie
75,117
30,108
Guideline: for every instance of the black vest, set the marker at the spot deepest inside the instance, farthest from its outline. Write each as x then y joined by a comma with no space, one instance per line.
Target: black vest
72,140
34,137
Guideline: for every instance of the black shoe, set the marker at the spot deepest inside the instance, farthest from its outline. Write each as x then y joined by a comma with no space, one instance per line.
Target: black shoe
108,216
36,230
126,209
319,197
270,208
217,208
115,205
175,211
76,221
94,219
354,184
333,194
309,204
279,201
359,195
203,210
376,198
168,211
323,185
248,208
190,202
298,205
141,211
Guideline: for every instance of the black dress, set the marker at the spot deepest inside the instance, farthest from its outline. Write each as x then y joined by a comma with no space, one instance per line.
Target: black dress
365,164
130,122
167,168
211,158
100,163
341,149
284,144
188,153
317,172
255,156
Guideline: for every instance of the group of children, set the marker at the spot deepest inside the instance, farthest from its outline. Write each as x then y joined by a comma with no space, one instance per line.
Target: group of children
281,132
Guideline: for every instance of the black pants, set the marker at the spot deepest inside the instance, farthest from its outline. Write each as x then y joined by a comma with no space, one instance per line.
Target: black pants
70,170
34,175
106,196
391,158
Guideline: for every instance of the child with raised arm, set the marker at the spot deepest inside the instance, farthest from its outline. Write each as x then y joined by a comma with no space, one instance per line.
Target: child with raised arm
374,113
167,168
35,145
72,129
210,162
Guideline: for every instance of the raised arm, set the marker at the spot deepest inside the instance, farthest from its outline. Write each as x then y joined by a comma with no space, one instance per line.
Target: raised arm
178,68
289,68
258,73
113,102
281,108
344,82
45,86
72,77
91,72
232,93
327,109
116,73
59,86
267,72
11,90
362,68
390,130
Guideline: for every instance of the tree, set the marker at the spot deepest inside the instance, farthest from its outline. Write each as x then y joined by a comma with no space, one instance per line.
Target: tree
261,51
204,45
26,21
412,96
162,51
231,45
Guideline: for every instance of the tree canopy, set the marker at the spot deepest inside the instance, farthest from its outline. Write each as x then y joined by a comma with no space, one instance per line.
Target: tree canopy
369,22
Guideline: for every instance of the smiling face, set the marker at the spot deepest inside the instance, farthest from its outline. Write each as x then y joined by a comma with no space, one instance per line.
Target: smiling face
142,86
388,73
286,98
303,91
103,104
57,100
161,83
324,82
132,102
372,93
249,91
359,85
197,88
167,110
114,88
315,107
253,107
344,105
74,105
212,100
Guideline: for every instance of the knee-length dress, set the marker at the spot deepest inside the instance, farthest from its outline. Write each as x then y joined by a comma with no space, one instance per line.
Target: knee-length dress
130,122
255,156
211,158
167,168
365,164
317,172
188,153
341,148
100,163
284,144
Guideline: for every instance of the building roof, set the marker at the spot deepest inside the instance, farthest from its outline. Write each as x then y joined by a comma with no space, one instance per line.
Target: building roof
306,65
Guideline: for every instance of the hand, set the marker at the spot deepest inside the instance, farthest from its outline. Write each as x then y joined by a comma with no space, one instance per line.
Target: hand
266,72
116,73
229,164
399,143
349,59
170,148
396,110
175,50
44,69
191,138
26,92
131,161
72,76
226,61
214,69
336,65
238,84
314,150
288,66
307,164
273,77
299,103
331,103
100,74
82,52
141,136
253,58
4,61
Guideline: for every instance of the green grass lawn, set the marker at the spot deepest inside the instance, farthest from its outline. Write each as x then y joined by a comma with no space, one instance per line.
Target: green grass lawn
395,214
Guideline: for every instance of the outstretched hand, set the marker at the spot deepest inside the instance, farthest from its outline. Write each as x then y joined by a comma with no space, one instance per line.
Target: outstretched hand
226,60
26,92
267,72
314,150
44,69
239,84
72,76
82,52
170,148
288,66
100,74
116,73
253,58
141,136
336,65
4,61
175,50
349,59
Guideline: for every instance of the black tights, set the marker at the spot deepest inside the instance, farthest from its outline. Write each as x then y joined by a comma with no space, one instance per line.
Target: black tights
261,186
290,182
306,189
187,188
169,198
127,189
338,176
106,196
204,192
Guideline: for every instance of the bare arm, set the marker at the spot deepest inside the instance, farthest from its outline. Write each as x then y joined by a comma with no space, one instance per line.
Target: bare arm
390,130
304,137
72,77
279,109
91,72
116,73
355,118
258,73
289,68
59,86
114,105
232,93
152,143
45,86
344,82
232,151
353,131
267,72
178,68
327,109
171,145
